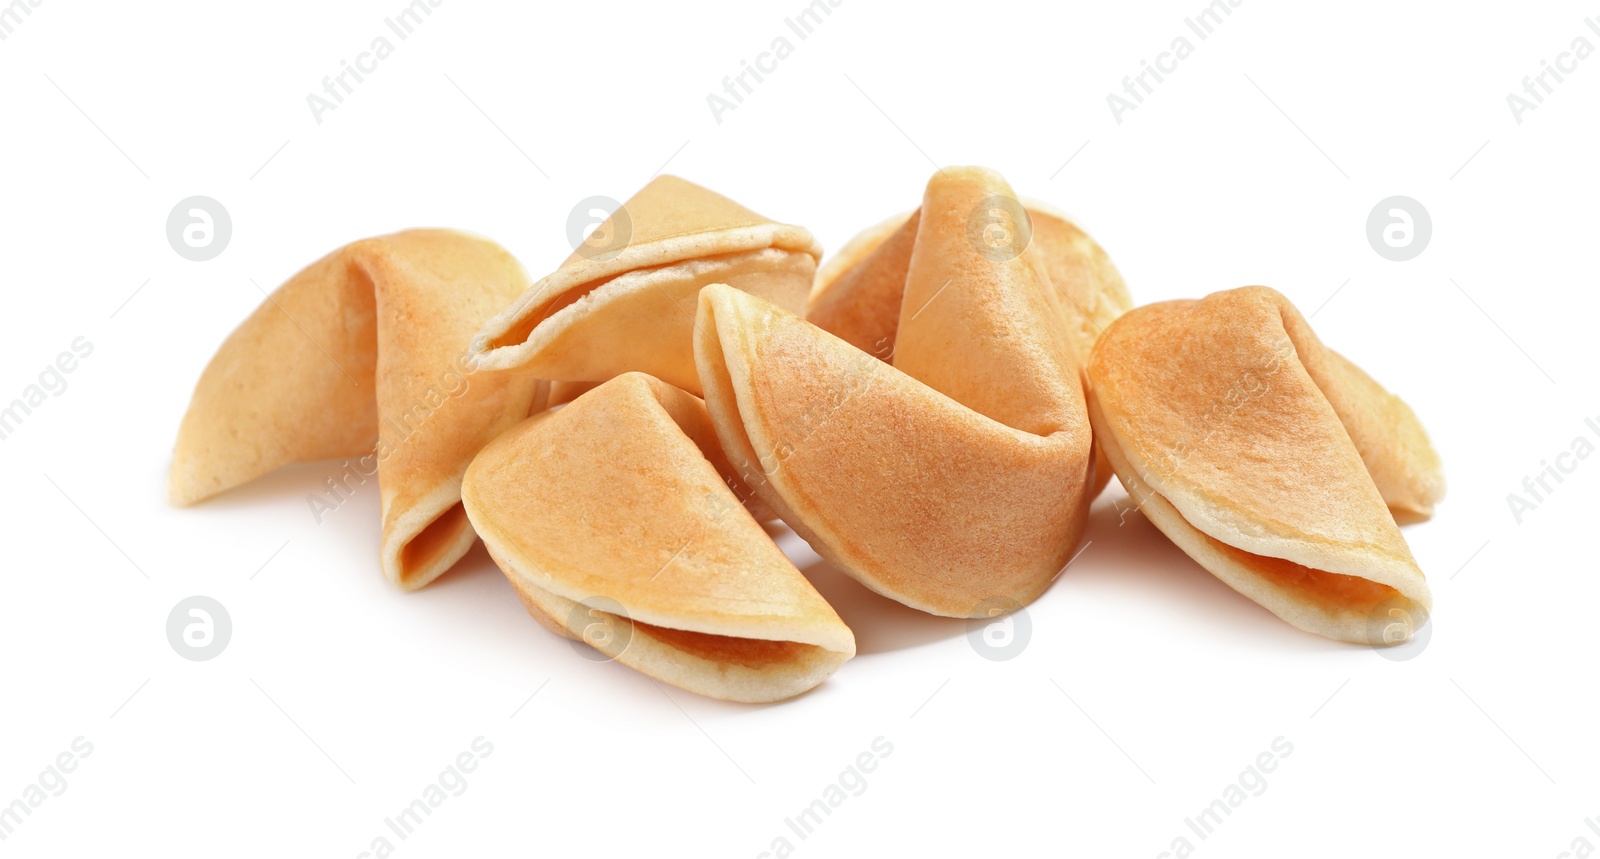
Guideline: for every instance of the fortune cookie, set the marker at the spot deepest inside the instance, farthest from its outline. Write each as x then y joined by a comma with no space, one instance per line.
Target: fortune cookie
1271,460
625,299
953,476
859,291
614,520
363,354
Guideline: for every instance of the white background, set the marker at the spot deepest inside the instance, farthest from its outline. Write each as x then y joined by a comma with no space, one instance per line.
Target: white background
1147,685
